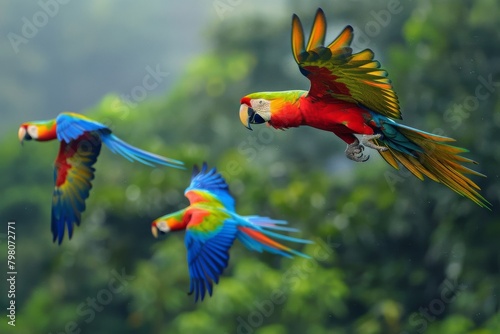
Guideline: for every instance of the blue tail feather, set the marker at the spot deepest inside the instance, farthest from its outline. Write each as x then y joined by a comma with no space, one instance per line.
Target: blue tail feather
394,138
131,153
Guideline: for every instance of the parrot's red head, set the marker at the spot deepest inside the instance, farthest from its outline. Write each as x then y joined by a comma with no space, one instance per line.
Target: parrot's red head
172,222
40,131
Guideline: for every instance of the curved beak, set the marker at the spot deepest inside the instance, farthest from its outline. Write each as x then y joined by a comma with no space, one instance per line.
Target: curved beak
249,116
22,134
154,230
245,115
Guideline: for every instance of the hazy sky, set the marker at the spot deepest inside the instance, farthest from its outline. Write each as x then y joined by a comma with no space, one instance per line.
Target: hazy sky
60,55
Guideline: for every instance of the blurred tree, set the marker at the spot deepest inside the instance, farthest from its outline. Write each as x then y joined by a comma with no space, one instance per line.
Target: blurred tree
392,254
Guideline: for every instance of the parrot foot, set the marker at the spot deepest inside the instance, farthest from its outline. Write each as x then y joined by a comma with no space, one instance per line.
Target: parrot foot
367,141
354,151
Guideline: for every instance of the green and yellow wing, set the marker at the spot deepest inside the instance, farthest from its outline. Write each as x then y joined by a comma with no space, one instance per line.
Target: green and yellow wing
335,72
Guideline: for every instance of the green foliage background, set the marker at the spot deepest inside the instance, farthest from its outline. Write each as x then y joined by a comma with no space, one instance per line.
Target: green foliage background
392,254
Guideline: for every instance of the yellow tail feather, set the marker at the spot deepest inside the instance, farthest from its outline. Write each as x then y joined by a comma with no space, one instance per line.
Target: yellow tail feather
439,162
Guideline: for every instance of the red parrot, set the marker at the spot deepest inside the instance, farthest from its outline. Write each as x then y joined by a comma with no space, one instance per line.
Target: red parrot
351,95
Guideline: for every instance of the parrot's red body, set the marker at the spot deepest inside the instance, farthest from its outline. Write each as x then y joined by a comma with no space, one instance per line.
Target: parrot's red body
330,116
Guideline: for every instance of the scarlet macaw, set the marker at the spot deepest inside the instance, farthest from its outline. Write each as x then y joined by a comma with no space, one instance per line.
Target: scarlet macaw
350,94
81,140
212,225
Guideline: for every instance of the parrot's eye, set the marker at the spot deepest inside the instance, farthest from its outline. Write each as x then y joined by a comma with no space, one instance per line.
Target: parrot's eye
32,131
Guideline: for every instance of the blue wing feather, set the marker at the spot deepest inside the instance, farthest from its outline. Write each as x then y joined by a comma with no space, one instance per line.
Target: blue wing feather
213,182
70,126
73,174
208,256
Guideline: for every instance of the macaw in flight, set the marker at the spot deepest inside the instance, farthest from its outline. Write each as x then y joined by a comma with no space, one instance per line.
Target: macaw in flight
351,95
212,225
81,140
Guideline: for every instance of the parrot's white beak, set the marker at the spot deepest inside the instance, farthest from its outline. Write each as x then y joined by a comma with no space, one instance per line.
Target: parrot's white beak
22,134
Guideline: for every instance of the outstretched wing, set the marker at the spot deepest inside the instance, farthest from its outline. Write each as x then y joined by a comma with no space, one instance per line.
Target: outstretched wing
209,236
70,126
335,72
208,185
73,174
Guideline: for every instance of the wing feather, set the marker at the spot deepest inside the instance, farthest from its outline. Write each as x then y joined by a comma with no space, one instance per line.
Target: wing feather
297,37
73,174
210,234
209,185
318,31
335,72
71,126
